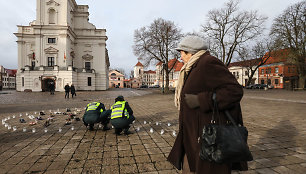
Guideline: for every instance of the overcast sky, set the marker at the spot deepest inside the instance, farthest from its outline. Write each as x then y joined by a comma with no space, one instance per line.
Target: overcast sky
121,17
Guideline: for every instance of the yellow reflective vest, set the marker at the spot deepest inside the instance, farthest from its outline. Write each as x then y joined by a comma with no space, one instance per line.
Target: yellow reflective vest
118,109
93,106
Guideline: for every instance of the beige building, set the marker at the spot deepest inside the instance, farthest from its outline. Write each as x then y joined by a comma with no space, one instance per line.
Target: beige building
61,46
241,71
7,78
116,79
174,66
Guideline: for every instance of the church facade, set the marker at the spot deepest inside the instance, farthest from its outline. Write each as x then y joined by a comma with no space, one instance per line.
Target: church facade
62,47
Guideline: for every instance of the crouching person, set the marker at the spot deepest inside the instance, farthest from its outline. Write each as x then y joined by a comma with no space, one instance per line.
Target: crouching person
121,116
96,113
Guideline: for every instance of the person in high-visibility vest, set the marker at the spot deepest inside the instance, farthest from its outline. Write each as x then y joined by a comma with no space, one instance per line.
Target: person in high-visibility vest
121,116
95,112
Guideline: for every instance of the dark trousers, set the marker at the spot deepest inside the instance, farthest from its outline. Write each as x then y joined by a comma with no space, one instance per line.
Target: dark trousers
66,94
73,94
123,122
91,119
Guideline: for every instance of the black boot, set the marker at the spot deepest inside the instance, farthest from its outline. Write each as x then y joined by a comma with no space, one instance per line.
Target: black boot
126,131
118,131
91,127
105,128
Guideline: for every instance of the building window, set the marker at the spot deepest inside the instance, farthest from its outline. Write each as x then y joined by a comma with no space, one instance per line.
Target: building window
276,81
262,81
50,61
87,66
22,81
89,81
276,69
32,65
118,84
51,40
118,78
246,73
262,71
52,14
288,69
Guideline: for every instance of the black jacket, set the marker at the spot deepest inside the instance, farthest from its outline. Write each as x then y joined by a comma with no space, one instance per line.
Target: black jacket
67,88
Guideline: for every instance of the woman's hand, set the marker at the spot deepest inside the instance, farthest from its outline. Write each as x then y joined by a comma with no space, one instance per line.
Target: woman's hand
192,101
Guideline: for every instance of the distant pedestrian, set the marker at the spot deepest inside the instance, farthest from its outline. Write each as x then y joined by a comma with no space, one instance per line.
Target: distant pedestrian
72,90
67,89
122,116
96,113
52,88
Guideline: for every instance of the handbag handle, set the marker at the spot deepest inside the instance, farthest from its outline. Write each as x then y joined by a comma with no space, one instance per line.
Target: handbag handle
227,113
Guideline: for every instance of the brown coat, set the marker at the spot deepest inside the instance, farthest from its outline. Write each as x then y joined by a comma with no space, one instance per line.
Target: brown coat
208,74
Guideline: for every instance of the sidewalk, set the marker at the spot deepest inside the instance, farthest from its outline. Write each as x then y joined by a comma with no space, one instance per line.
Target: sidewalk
277,139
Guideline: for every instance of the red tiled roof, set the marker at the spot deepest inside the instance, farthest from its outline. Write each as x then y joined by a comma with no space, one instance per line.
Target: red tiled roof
150,72
175,63
159,63
11,72
246,63
139,64
179,66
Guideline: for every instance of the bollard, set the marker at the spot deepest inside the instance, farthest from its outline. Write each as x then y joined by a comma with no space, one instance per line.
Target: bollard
72,127
60,129
156,123
33,130
151,130
14,128
169,124
24,129
46,130
138,129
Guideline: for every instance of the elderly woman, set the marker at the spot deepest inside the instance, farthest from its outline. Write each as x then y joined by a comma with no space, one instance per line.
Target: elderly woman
201,75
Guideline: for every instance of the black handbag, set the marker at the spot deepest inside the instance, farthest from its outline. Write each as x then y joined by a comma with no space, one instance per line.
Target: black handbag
224,143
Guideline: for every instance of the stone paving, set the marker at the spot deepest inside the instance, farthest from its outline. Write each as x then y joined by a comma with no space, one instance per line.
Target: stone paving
274,118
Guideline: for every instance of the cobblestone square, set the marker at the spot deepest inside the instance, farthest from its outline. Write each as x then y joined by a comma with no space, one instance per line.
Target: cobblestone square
274,118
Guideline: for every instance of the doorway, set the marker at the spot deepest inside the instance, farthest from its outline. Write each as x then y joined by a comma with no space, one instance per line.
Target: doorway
46,84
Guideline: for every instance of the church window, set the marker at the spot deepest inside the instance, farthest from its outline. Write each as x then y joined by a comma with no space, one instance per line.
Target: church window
52,14
22,81
89,81
51,40
87,66
50,61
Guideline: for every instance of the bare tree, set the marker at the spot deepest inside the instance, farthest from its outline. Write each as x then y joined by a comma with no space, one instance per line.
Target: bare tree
156,42
227,28
254,57
288,30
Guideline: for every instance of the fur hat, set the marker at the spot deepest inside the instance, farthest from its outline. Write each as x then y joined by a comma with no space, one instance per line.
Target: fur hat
192,44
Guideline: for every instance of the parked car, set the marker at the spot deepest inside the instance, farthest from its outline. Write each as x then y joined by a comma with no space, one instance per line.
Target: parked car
143,86
155,86
262,86
256,86
251,86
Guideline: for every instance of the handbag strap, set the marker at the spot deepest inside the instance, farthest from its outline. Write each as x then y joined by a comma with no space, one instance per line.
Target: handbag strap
227,113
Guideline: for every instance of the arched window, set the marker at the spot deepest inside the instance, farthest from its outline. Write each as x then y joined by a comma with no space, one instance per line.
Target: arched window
52,14
113,74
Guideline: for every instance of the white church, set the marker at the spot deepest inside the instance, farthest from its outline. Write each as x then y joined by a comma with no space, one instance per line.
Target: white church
61,46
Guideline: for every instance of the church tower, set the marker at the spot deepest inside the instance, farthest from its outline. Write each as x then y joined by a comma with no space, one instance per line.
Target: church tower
61,46
138,70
